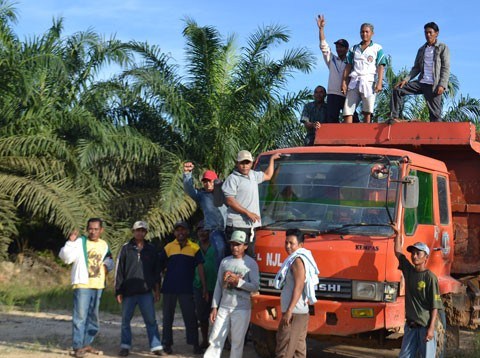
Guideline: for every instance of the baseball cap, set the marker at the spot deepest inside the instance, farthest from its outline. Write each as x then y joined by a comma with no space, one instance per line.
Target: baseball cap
342,42
209,175
244,155
181,224
239,237
419,246
140,225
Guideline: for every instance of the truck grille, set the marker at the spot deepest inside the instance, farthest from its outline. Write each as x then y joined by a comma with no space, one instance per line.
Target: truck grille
327,288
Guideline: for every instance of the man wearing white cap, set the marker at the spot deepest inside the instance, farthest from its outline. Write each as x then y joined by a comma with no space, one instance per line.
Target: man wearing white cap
241,195
422,301
237,278
137,278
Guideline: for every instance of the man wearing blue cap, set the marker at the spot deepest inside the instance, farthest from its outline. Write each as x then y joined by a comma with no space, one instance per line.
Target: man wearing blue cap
422,301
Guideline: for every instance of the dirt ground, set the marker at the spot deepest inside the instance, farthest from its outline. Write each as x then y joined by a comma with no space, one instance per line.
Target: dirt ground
48,334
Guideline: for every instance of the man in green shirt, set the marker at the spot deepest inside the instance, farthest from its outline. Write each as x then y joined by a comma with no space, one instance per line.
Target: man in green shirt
202,303
422,301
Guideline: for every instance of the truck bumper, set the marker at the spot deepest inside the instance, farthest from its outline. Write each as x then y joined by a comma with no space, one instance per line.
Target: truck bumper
339,318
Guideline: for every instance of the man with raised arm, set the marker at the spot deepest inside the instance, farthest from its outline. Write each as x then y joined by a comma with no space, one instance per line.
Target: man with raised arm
422,301
336,66
241,195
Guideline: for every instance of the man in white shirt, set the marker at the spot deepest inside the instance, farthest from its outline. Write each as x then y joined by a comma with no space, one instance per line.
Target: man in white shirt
336,66
365,61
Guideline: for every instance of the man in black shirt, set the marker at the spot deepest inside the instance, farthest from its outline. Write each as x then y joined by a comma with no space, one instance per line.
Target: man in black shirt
137,283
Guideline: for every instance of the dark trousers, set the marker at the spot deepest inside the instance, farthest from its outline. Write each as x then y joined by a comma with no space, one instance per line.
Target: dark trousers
250,238
434,101
187,307
334,106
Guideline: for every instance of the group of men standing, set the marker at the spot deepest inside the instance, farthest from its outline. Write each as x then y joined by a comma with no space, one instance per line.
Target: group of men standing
212,280
356,75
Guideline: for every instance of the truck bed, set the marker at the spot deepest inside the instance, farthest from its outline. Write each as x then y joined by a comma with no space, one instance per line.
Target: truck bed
453,143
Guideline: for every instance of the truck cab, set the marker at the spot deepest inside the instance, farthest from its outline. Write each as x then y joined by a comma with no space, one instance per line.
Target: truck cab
350,194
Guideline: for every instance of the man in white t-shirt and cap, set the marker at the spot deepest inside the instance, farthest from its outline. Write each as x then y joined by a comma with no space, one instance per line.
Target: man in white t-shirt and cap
241,196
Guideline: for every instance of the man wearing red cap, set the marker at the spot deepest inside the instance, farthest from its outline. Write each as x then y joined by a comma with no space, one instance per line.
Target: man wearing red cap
214,217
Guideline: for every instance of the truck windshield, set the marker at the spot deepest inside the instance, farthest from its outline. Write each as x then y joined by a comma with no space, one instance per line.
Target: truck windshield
329,193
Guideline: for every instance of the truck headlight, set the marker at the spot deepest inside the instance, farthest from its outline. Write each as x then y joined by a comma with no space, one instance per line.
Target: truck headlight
367,291
374,291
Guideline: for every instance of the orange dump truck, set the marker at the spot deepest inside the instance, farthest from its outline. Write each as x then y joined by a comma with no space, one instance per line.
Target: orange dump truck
347,193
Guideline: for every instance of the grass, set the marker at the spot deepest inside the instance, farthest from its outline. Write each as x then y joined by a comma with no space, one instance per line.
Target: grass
52,298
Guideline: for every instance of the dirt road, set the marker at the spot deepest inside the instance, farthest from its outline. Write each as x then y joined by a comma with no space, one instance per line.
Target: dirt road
27,335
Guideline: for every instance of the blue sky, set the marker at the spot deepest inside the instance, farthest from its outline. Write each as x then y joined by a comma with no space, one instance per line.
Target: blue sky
398,26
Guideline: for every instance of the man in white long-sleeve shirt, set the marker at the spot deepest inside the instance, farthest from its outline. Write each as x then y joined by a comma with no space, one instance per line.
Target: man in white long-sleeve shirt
336,66
237,278
91,261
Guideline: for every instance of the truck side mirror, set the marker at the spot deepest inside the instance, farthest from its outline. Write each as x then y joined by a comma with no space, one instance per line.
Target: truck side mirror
410,192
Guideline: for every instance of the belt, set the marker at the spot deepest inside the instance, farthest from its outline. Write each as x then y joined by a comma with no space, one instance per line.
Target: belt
413,324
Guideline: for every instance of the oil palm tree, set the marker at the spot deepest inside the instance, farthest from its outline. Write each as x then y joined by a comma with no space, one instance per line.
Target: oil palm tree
226,99
58,163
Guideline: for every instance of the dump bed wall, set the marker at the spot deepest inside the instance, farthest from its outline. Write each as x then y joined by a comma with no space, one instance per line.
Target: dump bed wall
452,143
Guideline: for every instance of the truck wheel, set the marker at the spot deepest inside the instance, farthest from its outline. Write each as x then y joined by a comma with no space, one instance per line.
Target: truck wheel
440,328
264,341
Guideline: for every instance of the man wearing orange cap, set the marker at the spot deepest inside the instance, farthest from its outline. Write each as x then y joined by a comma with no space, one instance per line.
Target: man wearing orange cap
214,217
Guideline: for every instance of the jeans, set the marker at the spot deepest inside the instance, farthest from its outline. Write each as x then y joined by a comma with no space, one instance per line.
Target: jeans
414,342
86,302
187,307
147,307
217,239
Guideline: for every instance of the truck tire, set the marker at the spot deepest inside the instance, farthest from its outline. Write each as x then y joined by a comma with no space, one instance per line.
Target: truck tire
264,341
441,330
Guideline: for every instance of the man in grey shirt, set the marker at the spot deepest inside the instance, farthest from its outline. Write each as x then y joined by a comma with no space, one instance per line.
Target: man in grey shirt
237,278
432,65
241,196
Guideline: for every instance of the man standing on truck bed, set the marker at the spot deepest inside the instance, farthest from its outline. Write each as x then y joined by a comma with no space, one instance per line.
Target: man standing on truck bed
314,114
336,66
299,276
432,64
364,61
422,301
241,195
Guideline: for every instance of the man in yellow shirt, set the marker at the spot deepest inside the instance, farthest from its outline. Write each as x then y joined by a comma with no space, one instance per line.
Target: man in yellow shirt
91,260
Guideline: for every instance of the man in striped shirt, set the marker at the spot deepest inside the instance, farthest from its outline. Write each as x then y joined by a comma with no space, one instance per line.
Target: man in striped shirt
432,65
